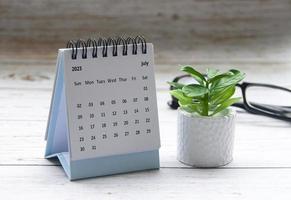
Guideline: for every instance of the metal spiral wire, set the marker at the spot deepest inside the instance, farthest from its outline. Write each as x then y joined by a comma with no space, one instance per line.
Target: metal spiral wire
104,43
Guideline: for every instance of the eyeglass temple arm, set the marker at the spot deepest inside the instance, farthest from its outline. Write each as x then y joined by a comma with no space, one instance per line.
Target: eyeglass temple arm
176,79
269,108
272,108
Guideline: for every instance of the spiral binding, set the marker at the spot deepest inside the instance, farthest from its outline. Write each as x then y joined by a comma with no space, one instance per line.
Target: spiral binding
104,43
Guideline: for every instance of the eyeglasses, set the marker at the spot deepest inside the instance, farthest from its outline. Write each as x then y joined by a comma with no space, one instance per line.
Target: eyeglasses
261,99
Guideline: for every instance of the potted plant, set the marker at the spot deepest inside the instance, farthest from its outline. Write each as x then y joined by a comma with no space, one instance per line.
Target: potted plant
206,123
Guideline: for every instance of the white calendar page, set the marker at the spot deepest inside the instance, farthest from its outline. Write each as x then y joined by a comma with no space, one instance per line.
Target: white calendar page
111,103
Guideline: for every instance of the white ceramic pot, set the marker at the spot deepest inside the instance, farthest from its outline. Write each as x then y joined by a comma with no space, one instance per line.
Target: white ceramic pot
205,141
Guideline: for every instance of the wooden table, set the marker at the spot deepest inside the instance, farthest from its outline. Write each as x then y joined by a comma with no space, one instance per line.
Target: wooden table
262,156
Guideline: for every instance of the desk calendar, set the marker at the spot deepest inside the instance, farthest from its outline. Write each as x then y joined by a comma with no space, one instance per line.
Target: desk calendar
103,117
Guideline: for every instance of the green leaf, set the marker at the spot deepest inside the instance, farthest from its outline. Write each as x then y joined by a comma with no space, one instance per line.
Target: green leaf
181,97
176,85
212,94
225,105
191,108
235,71
195,74
230,80
194,90
218,77
212,73
222,95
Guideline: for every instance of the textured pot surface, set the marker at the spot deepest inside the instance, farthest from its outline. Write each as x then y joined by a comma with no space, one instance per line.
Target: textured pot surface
205,141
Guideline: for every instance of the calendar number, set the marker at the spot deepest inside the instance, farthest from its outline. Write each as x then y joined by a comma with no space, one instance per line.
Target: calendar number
81,128
76,68
104,136
92,126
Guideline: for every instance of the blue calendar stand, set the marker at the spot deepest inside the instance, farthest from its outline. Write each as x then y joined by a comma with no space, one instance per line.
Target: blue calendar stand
58,145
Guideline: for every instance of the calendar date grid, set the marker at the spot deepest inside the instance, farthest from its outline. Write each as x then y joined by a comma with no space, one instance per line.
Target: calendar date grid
96,126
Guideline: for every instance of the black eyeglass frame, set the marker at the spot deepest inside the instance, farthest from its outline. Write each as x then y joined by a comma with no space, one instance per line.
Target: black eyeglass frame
276,112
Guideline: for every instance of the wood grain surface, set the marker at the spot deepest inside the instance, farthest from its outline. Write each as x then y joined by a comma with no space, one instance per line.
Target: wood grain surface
223,30
260,169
